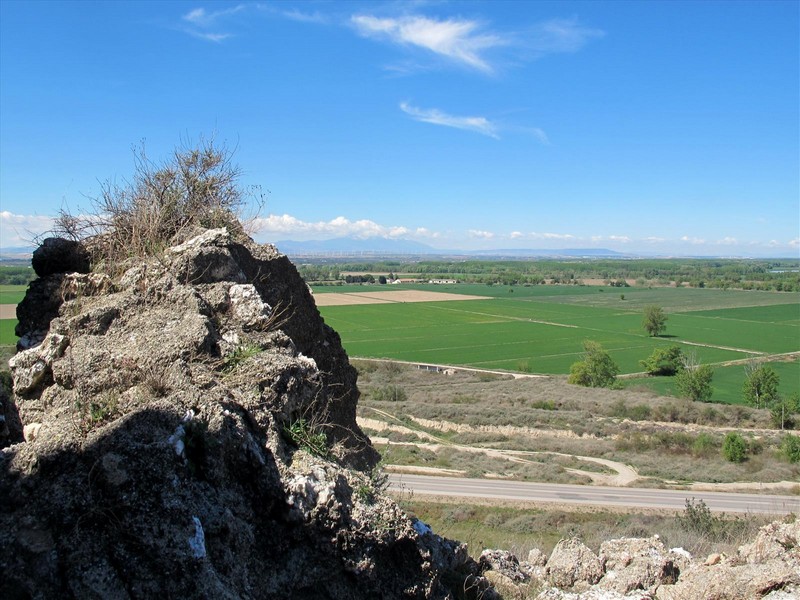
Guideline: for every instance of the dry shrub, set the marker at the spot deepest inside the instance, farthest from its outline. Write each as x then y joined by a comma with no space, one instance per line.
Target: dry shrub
162,205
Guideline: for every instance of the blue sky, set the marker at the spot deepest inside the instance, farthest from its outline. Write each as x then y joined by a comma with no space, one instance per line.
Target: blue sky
650,127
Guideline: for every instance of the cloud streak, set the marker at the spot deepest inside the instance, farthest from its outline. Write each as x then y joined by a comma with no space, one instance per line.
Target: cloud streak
435,116
561,35
459,41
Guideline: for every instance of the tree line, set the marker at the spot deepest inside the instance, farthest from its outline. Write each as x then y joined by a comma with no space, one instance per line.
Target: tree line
768,275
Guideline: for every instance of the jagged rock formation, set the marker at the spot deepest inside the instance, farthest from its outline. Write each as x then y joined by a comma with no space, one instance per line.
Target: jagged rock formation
189,425
644,569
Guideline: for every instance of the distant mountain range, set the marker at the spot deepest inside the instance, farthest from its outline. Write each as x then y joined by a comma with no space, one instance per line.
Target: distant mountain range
383,246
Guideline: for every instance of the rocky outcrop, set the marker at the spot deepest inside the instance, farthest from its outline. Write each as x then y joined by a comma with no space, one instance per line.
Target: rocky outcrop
644,569
190,431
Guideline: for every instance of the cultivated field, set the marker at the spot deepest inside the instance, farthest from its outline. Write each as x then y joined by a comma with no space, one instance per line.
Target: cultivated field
541,329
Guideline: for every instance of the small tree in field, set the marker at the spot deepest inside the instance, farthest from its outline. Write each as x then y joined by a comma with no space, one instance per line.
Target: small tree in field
760,385
654,321
597,369
694,381
664,361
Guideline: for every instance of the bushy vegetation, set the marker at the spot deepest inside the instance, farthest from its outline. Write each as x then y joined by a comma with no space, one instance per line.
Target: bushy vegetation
389,393
161,205
664,361
694,382
597,369
734,447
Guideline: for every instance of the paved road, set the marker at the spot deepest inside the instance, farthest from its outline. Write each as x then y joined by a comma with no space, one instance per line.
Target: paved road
611,497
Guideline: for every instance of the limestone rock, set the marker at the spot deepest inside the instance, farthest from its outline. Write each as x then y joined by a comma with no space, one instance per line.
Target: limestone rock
638,564
573,565
503,562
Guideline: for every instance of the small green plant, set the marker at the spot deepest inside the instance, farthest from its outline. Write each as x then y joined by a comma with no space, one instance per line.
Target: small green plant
92,413
703,445
544,405
376,485
697,518
238,356
734,448
301,434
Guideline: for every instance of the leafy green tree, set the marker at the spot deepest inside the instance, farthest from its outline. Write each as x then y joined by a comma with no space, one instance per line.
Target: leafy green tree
694,382
655,320
597,369
664,361
760,385
734,448
790,448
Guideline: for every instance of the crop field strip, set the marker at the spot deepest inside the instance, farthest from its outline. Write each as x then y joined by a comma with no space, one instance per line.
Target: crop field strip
543,333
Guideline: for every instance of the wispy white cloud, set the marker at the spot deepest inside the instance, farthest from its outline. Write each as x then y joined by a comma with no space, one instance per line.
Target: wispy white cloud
795,243
303,17
435,116
203,24
202,18
483,235
561,35
339,227
457,40
21,230
470,43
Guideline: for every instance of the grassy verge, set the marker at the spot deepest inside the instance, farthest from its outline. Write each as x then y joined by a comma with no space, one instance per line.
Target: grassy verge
522,529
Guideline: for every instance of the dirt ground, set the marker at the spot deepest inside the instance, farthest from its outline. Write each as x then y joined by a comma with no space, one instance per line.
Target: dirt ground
354,298
8,311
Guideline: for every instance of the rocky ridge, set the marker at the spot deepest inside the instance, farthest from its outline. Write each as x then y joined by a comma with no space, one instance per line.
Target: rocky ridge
185,427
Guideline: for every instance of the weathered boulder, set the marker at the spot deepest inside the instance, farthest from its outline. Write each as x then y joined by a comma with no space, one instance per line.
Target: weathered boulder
638,564
572,564
727,581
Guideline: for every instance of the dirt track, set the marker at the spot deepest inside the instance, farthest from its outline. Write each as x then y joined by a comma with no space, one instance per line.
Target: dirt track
8,311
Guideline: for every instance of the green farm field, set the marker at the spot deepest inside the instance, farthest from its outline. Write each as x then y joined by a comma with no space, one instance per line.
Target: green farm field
541,329
12,294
